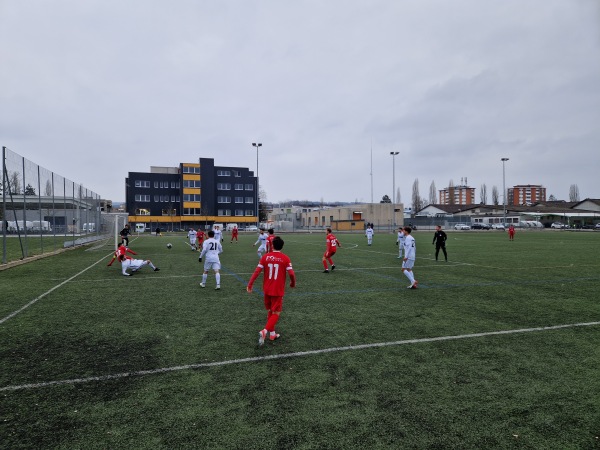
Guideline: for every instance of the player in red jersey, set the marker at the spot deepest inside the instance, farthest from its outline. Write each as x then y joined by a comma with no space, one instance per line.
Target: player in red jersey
270,238
121,250
511,232
234,235
200,235
276,265
332,245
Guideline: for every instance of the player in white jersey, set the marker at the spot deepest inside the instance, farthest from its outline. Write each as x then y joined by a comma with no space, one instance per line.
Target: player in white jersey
410,252
211,248
262,240
218,234
369,233
127,262
400,242
192,238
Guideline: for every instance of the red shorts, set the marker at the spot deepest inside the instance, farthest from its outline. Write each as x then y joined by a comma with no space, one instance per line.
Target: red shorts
273,303
328,254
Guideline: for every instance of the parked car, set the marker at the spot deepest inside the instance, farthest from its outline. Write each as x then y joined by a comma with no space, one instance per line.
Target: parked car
480,226
557,225
597,226
498,226
251,228
462,226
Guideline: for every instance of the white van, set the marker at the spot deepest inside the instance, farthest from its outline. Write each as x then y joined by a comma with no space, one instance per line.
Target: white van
24,225
41,226
231,226
220,225
89,227
140,227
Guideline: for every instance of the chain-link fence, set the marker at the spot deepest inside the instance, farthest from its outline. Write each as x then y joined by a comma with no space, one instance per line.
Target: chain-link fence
43,211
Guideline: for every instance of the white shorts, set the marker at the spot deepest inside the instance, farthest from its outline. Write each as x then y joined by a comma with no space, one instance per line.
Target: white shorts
137,264
262,248
193,241
408,264
211,265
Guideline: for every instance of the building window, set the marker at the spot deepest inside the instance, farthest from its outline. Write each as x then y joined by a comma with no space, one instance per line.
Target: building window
174,184
191,211
237,173
223,186
192,184
157,198
188,169
169,212
156,184
224,212
142,184
239,199
239,187
142,198
239,212
249,212
192,197
223,199
250,200
249,187
142,212
223,173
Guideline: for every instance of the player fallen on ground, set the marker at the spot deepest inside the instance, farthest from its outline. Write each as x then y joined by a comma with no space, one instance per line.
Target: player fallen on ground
410,252
127,262
121,250
275,265
262,240
332,245
211,248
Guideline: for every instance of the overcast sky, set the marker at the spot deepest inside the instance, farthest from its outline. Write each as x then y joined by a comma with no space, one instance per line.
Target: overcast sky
95,89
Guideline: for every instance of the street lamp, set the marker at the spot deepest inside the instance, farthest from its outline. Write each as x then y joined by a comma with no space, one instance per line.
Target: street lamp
394,185
254,144
504,188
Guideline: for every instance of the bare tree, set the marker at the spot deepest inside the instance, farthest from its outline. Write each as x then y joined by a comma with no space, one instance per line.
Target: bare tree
483,194
574,193
14,181
552,198
495,195
432,193
416,198
48,189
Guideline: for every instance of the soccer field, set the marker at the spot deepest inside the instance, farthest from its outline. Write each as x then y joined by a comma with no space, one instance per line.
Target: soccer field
497,348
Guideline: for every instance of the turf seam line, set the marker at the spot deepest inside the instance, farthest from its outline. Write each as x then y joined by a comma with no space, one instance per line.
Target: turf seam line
287,355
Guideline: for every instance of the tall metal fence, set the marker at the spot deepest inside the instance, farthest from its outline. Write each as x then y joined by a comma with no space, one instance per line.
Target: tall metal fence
42,211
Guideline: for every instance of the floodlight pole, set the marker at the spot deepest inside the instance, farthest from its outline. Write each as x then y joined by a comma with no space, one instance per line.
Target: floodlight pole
257,145
504,188
394,185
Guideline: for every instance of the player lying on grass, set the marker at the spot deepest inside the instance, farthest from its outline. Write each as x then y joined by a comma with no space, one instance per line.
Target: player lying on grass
128,262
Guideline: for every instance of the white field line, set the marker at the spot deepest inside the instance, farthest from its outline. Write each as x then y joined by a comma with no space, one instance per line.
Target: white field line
35,300
140,373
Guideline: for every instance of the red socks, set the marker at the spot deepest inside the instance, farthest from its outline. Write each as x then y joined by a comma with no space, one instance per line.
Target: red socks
271,322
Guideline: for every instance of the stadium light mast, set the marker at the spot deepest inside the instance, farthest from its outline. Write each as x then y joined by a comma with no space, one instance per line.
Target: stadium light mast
504,188
394,184
257,145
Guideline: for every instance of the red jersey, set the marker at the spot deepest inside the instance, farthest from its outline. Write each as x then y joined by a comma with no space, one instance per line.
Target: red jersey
332,243
121,250
200,235
270,238
275,265
234,232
